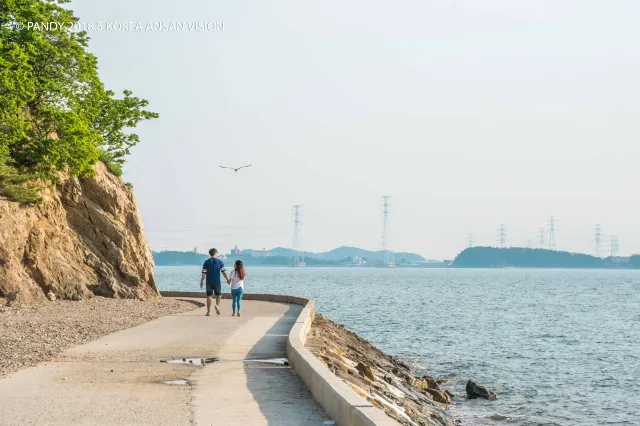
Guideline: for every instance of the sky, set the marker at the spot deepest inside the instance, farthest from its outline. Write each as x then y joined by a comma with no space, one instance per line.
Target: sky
469,114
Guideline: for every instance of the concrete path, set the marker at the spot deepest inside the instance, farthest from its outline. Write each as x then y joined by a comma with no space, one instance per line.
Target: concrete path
119,379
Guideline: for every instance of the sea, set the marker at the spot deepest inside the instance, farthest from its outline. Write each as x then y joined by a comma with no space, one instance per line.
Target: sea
559,347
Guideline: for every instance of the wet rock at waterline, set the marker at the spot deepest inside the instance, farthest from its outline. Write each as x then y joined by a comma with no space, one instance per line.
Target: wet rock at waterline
475,390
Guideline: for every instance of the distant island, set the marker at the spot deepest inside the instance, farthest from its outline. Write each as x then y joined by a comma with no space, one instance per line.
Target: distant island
279,256
517,257
474,257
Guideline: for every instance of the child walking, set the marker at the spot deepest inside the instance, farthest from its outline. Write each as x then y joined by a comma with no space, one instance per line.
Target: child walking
237,286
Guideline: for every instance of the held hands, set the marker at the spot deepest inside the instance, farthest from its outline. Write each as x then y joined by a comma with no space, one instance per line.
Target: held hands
228,280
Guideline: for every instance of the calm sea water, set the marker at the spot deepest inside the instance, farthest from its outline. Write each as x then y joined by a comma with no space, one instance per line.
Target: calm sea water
560,347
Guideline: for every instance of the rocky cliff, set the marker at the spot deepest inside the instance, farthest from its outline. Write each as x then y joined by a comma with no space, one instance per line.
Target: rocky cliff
85,239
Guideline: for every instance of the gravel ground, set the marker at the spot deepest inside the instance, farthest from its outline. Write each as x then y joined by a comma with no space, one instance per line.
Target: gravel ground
29,335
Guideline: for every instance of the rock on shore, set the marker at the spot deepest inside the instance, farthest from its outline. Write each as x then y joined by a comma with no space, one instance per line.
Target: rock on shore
475,390
85,239
36,333
385,381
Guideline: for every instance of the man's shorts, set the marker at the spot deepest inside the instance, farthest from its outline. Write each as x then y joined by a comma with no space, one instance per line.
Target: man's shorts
214,289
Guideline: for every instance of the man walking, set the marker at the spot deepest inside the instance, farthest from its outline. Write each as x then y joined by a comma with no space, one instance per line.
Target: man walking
211,270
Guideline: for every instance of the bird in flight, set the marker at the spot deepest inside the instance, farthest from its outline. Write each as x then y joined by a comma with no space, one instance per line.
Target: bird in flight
234,168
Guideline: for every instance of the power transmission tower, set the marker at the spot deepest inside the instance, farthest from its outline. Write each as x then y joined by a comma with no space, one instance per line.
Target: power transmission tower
297,257
387,252
529,244
541,237
597,238
502,236
553,228
470,240
614,246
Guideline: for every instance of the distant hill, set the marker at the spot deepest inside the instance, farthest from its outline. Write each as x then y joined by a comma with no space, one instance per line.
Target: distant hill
281,251
280,256
179,258
493,257
344,252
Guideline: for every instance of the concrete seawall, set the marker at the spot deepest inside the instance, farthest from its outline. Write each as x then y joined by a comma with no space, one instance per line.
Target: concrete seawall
344,405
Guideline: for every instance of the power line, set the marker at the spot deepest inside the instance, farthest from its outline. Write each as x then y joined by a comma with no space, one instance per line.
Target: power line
387,251
470,240
614,245
553,228
502,236
297,257
597,238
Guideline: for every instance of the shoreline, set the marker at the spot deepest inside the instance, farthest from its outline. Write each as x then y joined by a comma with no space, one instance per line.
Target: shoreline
385,381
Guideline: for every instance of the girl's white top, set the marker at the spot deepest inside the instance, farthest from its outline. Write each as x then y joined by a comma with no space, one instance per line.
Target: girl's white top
236,282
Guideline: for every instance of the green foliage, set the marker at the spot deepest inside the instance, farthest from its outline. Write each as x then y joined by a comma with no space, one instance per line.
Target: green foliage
115,115
13,185
112,165
55,114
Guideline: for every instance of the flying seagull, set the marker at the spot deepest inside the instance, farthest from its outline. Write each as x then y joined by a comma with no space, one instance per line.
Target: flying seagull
235,169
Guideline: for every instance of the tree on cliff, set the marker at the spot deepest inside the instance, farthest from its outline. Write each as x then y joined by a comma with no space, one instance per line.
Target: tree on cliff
55,114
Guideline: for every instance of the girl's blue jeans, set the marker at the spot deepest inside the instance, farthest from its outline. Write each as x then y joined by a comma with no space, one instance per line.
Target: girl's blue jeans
236,295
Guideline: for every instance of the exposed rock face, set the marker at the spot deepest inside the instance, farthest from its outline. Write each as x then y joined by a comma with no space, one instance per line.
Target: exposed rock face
475,390
85,238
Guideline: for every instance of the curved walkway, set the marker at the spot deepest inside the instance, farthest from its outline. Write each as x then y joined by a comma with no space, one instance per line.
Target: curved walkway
119,379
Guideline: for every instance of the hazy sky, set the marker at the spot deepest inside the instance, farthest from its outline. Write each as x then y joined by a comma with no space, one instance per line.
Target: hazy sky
469,113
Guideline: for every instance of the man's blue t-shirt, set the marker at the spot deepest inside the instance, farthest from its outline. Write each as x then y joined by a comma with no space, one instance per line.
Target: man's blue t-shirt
213,267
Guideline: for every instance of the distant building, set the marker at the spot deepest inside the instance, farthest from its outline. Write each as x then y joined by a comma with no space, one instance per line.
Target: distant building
260,253
235,251
359,261
447,262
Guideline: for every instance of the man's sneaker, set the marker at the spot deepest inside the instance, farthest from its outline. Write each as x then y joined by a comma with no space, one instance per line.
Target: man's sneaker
217,310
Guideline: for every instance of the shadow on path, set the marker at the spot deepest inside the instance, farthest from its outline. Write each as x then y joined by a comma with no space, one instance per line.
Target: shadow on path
282,397
193,302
